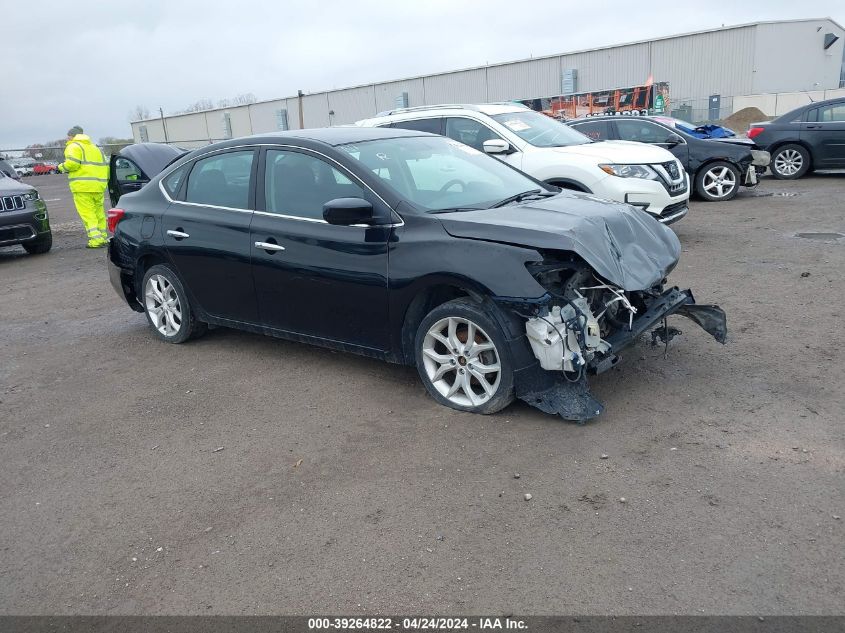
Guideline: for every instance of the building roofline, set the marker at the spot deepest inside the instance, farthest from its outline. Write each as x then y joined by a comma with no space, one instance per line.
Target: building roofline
505,63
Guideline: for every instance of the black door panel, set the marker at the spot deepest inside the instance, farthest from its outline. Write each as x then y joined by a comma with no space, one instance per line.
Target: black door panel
824,132
316,278
329,281
210,244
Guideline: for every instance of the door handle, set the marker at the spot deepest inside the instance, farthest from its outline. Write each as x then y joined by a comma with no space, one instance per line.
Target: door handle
270,248
179,235
814,127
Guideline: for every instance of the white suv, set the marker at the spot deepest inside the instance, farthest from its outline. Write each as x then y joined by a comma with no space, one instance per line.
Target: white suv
642,175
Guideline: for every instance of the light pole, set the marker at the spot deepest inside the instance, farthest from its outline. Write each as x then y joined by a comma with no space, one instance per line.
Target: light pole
163,124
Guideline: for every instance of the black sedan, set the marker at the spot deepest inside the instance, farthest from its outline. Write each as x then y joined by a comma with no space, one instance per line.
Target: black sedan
404,246
808,138
717,168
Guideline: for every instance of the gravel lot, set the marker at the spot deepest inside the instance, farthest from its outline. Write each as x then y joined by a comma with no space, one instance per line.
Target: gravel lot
245,475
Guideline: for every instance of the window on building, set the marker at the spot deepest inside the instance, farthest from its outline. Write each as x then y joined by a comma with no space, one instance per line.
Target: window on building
282,119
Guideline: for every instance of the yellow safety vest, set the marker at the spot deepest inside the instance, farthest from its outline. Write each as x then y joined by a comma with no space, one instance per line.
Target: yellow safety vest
86,167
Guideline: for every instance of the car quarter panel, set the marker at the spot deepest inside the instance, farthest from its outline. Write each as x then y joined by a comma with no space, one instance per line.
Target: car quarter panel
423,257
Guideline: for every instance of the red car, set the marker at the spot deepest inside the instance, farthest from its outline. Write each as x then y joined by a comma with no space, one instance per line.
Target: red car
40,169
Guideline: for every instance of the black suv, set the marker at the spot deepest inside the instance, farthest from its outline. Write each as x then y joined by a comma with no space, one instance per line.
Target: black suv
717,168
23,217
810,137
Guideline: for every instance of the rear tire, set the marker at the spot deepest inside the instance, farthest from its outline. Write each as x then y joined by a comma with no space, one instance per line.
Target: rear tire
790,162
39,246
718,181
167,307
463,359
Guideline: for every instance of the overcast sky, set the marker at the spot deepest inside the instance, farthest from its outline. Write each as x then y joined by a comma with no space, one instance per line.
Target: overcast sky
90,62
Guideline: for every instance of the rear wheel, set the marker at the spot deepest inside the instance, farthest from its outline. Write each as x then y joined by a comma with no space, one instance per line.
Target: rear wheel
790,162
463,359
717,182
39,246
167,307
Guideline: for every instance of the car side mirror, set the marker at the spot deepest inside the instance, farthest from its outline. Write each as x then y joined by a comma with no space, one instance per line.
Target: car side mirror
673,139
348,211
496,146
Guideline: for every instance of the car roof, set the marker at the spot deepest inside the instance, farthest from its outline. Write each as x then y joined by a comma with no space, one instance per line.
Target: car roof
617,116
810,106
340,135
490,109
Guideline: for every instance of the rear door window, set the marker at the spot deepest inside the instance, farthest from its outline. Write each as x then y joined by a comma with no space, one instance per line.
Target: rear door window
596,130
433,126
221,180
641,131
173,181
126,170
832,113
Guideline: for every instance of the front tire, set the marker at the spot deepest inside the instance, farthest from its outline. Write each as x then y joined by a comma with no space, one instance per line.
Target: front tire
463,359
39,246
790,162
167,306
717,182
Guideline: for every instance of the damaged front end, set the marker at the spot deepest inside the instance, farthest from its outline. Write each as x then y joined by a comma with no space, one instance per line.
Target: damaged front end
583,323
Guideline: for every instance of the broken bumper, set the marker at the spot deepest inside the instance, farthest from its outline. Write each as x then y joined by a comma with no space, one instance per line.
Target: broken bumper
674,301
553,392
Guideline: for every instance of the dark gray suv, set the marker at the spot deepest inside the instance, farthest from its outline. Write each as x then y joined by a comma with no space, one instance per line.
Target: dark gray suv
23,217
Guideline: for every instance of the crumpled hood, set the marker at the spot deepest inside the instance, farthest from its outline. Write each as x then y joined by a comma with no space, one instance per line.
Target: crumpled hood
619,152
623,244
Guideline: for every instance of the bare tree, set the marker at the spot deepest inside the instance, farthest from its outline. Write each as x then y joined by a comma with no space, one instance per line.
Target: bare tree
139,113
198,106
52,150
244,99
112,145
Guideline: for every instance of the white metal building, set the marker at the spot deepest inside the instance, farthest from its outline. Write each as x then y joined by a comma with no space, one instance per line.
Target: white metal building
744,65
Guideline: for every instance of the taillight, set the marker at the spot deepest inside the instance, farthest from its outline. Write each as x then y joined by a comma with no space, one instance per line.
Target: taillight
113,216
755,131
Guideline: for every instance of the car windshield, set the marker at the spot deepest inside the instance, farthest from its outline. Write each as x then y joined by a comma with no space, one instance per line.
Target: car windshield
541,130
439,174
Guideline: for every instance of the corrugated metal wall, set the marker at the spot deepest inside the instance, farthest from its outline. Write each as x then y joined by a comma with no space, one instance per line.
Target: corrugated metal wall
723,62
466,86
386,93
718,62
609,68
539,77
352,104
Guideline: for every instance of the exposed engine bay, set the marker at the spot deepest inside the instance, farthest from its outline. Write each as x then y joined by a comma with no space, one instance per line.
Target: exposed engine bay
585,323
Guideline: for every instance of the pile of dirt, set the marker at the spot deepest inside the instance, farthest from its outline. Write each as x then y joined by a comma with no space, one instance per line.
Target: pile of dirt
740,120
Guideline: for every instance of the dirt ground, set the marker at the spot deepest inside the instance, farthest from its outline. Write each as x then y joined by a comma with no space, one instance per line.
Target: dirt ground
240,474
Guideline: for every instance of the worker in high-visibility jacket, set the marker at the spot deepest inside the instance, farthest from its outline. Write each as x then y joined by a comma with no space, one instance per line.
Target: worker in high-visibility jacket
88,176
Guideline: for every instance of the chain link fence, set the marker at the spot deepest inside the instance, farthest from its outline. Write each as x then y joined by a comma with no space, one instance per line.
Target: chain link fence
700,110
